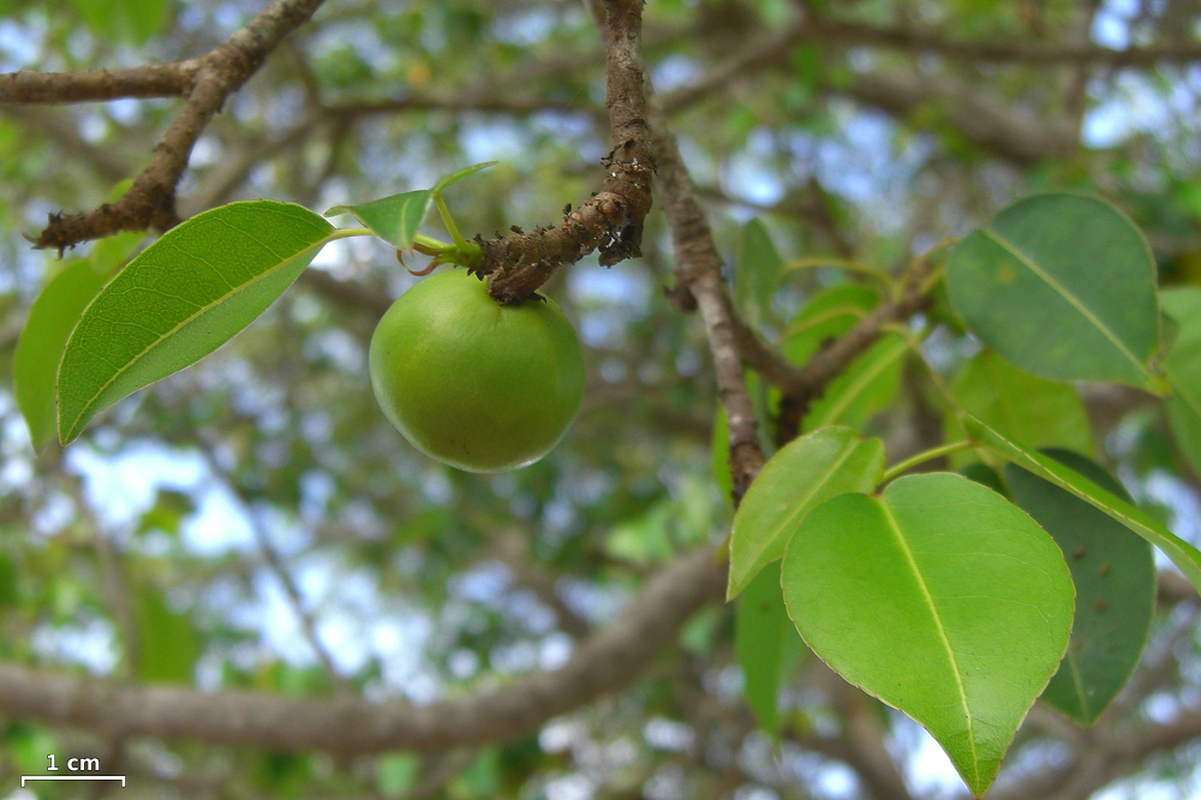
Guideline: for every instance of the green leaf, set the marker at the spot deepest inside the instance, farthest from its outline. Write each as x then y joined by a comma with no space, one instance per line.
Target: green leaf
1114,574
755,278
940,598
180,299
394,219
1031,409
809,470
168,645
40,348
1183,555
459,175
1183,365
1062,285
766,645
868,385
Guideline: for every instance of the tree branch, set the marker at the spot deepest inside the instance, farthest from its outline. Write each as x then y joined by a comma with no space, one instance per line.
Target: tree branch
1017,137
607,661
150,202
700,285
802,387
1024,52
56,88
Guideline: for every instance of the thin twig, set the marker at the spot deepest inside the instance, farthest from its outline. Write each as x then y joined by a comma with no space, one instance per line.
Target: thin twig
802,387
700,286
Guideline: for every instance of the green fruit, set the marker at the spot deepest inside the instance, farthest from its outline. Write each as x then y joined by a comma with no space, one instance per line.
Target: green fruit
474,384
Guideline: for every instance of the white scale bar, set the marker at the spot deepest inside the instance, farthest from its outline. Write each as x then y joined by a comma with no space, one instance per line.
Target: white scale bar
73,778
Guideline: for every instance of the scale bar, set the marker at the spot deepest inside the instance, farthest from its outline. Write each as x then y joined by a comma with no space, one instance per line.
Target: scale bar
73,778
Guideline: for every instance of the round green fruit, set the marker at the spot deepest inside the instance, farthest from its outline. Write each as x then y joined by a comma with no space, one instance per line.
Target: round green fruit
474,384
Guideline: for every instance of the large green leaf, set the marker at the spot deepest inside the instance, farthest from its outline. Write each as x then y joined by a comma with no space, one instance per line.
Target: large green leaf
809,470
1114,573
395,219
1183,365
758,268
51,319
766,644
1064,286
1031,409
942,599
181,299
868,385
1183,555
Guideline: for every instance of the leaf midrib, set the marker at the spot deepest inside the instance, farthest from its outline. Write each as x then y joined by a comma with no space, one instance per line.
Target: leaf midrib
1072,299
895,527
91,402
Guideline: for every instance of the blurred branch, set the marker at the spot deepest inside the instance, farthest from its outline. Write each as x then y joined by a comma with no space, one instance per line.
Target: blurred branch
233,171
353,295
802,387
917,40
209,80
304,615
606,661
986,120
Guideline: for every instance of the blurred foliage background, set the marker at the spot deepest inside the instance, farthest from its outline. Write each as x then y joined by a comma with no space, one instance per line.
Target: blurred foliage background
255,521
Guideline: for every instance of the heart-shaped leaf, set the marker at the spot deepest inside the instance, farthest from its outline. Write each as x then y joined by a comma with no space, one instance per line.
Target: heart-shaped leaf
1114,573
395,219
1064,286
51,319
180,299
809,470
942,599
1186,557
